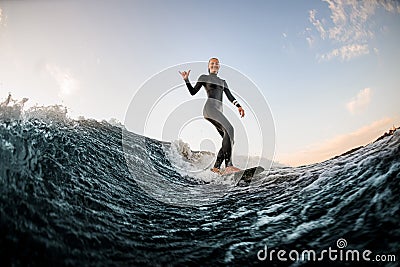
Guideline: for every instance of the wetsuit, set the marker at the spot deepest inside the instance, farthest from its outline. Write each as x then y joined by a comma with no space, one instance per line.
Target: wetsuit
212,111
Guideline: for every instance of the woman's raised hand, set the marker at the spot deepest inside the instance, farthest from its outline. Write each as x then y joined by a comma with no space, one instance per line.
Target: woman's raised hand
241,112
185,74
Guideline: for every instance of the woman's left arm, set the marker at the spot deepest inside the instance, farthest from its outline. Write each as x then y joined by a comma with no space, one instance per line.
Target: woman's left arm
233,99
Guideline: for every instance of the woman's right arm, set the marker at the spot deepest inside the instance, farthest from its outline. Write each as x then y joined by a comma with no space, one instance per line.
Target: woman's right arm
196,88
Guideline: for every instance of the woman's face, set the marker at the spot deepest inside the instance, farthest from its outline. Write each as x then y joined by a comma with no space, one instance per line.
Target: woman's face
213,65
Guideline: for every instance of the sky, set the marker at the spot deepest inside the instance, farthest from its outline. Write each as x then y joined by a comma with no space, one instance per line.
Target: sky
328,70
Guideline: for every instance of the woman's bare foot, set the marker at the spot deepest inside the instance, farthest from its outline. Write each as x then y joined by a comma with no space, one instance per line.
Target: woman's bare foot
216,170
231,169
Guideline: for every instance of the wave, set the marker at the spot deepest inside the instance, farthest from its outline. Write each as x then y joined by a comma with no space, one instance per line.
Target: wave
83,192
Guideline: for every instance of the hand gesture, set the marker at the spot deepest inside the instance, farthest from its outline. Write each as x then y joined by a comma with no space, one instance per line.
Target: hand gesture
241,112
185,74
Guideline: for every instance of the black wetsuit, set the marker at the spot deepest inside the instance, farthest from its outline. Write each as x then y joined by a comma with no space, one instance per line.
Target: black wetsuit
212,111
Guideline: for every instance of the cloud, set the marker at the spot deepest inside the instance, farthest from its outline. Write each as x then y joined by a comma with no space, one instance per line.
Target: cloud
310,41
317,24
346,52
337,145
350,20
67,84
390,6
3,18
349,26
360,102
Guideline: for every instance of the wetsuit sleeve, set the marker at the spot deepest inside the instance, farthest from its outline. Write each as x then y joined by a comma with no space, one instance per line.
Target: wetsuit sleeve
196,88
230,96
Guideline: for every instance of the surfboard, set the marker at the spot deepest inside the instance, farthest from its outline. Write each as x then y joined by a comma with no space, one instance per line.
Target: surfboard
245,175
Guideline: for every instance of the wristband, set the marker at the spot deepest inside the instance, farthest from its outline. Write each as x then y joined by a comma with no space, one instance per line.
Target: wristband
235,102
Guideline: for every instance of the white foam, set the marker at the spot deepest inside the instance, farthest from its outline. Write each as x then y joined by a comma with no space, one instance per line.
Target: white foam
242,211
7,145
269,219
229,255
197,164
190,163
307,227
270,209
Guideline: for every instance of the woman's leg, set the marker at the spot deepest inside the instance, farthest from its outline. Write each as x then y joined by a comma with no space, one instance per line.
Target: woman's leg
225,129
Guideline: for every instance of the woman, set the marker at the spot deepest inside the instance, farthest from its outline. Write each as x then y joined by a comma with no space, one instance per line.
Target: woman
213,112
